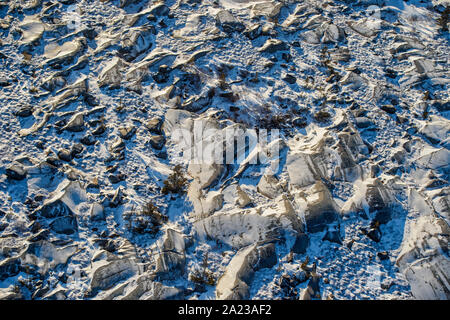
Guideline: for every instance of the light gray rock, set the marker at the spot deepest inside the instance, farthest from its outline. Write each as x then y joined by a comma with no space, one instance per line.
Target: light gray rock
234,283
273,46
97,212
108,275
321,210
424,252
171,259
269,186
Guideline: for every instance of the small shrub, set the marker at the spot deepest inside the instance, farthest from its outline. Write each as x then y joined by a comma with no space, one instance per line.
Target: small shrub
203,277
176,182
152,211
148,220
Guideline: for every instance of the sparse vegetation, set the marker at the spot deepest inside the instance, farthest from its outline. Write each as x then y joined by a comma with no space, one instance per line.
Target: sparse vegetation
203,276
148,220
152,211
176,182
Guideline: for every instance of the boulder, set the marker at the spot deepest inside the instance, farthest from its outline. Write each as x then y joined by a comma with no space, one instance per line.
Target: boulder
242,198
107,275
228,23
9,267
56,54
112,73
136,41
97,213
269,186
63,201
65,225
205,174
301,243
46,255
171,259
269,9
16,171
302,169
273,46
437,130
242,228
76,123
234,283
32,29
424,252
378,200
320,209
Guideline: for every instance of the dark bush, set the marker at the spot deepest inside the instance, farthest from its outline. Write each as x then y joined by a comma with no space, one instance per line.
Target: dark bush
176,182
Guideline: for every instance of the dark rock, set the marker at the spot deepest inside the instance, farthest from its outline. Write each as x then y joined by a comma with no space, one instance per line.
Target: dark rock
41,235
116,178
90,33
90,100
300,122
127,132
35,227
363,122
333,235
99,130
289,78
374,234
53,209
267,256
16,172
88,140
160,10
117,198
9,268
253,32
388,108
76,123
65,155
40,291
162,75
228,23
137,41
301,243
4,82
65,225
40,145
383,255
441,105
77,149
24,111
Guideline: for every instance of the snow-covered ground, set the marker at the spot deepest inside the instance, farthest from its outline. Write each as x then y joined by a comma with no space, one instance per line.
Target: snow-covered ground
348,199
